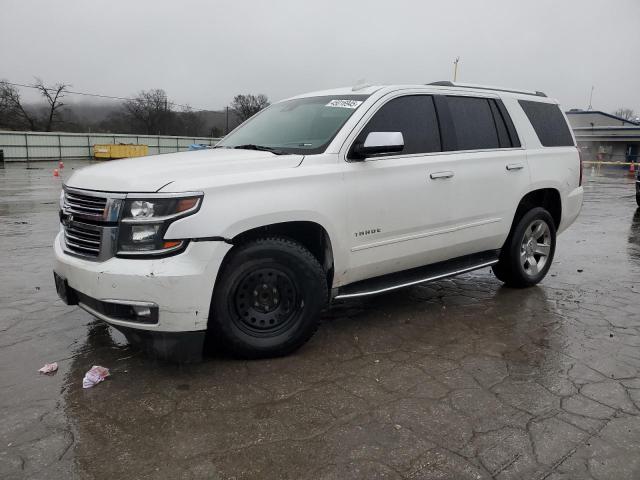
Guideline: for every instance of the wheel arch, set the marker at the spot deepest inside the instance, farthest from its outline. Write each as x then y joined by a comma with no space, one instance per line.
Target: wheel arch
548,198
312,235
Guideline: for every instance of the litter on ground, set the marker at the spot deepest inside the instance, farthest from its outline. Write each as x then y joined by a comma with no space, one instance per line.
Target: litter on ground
94,376
49,368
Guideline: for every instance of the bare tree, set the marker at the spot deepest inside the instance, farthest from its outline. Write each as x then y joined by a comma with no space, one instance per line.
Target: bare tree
53,96
190,122
626,113
246,106
151,109
12,112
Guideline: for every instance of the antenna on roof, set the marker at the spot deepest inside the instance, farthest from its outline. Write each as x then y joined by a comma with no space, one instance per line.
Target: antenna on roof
590,107
455,69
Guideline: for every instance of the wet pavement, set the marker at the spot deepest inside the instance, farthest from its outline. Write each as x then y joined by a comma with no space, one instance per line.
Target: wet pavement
460,379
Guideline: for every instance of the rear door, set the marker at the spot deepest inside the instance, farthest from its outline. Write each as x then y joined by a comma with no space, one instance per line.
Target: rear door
491,171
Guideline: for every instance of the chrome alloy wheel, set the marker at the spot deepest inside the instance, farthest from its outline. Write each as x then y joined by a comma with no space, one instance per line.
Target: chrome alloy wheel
535,247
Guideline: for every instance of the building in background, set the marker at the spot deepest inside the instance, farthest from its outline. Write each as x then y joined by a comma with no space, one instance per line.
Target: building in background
605,137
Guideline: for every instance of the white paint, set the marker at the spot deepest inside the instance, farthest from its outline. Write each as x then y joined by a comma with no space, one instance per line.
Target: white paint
407,218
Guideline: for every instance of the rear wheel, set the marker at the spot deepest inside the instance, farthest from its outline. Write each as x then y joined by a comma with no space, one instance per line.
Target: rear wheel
268,298
528,252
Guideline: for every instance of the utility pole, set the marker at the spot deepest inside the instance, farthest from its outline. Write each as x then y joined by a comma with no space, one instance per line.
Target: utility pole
590,107
227,115
455,69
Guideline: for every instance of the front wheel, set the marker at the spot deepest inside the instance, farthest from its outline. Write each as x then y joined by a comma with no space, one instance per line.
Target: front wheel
528,252
267,299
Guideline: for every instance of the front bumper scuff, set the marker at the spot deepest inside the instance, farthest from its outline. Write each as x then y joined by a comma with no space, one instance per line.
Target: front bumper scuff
181,286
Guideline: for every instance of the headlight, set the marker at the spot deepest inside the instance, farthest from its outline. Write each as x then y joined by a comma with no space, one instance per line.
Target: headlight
145,221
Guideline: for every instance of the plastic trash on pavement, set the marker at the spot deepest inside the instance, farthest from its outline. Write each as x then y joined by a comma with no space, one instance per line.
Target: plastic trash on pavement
94,376
49,368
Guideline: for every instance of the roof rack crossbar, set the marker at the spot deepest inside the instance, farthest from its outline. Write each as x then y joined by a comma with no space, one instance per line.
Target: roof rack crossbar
447,83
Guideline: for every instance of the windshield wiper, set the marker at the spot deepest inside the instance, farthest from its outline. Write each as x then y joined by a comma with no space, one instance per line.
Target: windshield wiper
262,148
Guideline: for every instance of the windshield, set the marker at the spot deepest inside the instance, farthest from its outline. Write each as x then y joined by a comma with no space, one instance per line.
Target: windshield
303,125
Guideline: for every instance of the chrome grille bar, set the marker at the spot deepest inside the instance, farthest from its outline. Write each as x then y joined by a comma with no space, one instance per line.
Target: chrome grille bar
83,239
88,206
85,200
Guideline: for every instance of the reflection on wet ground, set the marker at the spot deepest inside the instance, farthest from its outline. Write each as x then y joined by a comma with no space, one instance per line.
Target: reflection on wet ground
458,379
634,236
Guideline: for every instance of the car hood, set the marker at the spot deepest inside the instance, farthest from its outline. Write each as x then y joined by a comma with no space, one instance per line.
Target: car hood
152,173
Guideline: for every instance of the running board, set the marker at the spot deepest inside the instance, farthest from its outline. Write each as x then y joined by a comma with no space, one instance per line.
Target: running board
414,276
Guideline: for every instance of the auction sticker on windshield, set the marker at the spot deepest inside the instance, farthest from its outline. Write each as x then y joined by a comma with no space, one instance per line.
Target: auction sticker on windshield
344,103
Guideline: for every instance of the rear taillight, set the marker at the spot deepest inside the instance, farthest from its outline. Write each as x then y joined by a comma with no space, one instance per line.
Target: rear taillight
580,156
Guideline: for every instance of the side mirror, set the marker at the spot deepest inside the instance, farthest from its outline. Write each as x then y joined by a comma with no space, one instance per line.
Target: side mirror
378,143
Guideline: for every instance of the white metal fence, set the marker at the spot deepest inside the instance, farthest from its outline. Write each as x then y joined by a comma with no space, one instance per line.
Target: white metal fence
27,146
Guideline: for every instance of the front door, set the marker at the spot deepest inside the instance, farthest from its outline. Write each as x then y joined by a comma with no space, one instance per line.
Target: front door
400,206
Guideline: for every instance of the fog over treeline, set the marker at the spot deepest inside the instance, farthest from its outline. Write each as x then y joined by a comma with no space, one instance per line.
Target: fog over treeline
107,117
151,112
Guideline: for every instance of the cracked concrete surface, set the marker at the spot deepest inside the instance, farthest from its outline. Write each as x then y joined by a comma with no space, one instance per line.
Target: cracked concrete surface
460,379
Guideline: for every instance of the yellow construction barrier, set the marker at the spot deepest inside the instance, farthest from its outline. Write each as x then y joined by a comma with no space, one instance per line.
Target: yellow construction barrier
595,165
599,162
110,151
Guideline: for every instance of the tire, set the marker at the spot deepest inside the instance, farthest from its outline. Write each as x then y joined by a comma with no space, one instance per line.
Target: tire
268,298
524,261
638,199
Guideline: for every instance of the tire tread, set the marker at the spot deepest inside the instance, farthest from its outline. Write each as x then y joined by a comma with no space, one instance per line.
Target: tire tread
508,267
234,345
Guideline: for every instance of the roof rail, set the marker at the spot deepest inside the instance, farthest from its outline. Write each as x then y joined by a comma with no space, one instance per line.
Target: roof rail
447,83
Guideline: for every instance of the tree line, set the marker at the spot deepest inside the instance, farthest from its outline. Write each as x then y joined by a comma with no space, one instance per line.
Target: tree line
150,112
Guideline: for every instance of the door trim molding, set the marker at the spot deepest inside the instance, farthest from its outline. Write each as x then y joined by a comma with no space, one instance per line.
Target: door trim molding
430,233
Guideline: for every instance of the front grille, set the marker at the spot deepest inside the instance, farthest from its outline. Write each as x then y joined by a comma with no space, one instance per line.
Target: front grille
83,239
90,221
85,205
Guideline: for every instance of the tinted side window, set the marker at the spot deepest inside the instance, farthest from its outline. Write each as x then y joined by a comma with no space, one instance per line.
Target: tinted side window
414,116
548,122
473,123
501,127
513,134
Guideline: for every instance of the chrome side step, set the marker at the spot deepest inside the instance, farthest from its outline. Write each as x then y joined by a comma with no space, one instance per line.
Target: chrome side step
414,276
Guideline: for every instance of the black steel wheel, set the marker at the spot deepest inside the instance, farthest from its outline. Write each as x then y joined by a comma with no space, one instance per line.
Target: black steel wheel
267,299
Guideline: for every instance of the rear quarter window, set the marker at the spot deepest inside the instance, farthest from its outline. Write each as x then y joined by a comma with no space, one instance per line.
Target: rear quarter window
548,122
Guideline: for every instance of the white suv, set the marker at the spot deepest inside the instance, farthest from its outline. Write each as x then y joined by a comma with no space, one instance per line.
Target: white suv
329,195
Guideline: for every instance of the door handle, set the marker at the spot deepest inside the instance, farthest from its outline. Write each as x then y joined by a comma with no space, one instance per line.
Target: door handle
437,175
515,166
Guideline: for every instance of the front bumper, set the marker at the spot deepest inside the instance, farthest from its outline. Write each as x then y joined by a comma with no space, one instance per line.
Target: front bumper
181,286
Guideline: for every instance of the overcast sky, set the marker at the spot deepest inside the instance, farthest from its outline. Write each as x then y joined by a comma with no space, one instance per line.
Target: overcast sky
204,52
